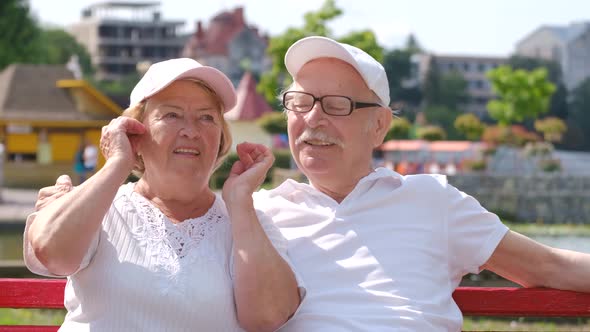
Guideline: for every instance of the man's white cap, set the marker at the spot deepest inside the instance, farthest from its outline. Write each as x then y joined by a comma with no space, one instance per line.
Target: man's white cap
162,74
315,47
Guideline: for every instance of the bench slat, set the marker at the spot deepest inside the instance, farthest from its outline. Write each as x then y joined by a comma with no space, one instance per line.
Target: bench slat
28,328
32,293
509,301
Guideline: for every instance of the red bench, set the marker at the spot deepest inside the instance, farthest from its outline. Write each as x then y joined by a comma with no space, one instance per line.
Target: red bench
473,301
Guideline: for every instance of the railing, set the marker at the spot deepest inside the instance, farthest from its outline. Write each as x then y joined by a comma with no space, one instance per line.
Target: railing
473,301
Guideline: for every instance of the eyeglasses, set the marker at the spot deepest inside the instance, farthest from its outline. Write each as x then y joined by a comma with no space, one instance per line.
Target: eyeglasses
303,102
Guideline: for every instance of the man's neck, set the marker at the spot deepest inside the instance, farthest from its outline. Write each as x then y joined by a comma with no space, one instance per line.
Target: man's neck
337,188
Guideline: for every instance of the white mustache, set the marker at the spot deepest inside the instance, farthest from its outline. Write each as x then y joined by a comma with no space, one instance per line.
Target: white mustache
310,134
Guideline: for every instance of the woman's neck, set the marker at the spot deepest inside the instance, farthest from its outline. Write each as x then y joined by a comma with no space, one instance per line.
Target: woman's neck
178,203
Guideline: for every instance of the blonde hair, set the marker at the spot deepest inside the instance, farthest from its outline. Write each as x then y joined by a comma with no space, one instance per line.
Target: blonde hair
137,112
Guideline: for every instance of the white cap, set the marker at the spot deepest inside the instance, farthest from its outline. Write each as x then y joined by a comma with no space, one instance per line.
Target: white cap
315,47
162,74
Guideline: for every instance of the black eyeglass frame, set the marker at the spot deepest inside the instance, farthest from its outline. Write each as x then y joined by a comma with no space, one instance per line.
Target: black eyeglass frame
353,104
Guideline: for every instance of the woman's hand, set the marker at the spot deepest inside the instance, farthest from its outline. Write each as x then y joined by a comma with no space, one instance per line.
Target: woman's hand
119,140
47,195
249,172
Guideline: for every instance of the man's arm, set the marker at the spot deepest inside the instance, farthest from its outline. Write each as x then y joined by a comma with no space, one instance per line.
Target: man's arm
533,264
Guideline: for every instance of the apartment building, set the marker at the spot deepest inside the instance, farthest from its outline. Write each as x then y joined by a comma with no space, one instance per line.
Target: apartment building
569,46
119,35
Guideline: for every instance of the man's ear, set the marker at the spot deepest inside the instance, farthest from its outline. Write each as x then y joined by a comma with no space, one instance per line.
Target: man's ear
383,119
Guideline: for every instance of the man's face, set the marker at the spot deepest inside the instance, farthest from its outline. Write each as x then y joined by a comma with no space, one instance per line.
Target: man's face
326,147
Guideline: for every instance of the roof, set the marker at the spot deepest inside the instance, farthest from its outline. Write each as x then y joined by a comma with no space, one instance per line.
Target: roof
30,92
215,39
250,105
125,4
435,146
564,34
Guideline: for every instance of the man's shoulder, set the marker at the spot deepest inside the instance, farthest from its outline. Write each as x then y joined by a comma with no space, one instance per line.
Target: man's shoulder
426,181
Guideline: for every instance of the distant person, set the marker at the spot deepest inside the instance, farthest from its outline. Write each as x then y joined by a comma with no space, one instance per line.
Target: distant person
90,157
79,165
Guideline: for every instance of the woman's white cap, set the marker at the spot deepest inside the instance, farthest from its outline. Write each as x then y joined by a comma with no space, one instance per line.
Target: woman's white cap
162,74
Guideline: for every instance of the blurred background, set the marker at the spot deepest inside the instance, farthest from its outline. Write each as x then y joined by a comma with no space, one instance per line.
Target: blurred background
494,94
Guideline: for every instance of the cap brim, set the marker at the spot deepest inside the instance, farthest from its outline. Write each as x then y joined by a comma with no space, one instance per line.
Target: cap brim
214,78
315,47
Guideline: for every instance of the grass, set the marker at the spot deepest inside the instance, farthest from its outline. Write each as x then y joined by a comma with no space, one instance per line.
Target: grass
525,324
31,316
550,229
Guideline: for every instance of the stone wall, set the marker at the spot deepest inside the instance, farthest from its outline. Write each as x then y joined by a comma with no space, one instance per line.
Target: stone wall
548,199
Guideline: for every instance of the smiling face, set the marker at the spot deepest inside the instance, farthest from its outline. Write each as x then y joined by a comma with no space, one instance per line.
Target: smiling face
334,149
184,131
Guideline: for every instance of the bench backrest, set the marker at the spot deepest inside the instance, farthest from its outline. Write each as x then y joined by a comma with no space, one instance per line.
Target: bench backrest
473,301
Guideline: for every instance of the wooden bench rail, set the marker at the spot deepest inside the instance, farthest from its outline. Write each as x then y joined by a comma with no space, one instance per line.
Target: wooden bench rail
473,301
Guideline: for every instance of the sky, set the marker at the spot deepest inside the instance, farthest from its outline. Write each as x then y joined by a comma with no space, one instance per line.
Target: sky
453,27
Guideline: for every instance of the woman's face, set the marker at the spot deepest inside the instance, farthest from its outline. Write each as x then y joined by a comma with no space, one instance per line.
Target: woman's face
183,134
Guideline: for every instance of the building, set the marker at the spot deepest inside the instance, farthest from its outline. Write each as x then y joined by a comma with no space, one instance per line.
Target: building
569,46
230,45
44,115
472,68
242,118
119,35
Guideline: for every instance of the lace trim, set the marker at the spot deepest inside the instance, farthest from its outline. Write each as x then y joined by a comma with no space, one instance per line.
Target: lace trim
170,243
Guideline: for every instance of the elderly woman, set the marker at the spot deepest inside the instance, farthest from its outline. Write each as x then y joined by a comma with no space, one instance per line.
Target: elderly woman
166,253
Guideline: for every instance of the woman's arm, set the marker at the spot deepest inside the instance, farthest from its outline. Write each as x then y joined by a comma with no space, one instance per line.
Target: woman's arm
62,231
265,288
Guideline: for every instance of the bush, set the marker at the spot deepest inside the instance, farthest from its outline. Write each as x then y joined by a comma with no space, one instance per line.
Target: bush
475,165
550,165
431,133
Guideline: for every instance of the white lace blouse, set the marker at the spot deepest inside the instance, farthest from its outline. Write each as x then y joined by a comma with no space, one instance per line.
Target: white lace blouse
145,273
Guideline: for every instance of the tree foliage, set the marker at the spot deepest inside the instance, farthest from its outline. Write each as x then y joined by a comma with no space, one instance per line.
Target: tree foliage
448,89
398,129
551,127
470,126
522,94
273,123
19,36
57,46
579,118
315,24
558,106
431,133
443,117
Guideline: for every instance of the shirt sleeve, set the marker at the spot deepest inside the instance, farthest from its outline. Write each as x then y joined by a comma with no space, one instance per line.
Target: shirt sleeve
280,243
33,263
474,232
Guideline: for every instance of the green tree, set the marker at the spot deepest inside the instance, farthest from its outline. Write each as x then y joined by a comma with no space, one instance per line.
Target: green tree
443,117
398,67
470,126
551,127
398,129
19,37
273,123
57,46
558,106
315,23
579,118
522,94
448,90
431,133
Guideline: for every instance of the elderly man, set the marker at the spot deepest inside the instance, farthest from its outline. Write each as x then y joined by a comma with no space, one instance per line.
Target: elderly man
380,251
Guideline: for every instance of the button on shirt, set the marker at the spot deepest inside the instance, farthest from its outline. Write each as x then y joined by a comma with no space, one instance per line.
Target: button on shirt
388,257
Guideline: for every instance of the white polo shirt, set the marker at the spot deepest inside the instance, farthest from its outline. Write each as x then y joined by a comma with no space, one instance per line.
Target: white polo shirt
388,257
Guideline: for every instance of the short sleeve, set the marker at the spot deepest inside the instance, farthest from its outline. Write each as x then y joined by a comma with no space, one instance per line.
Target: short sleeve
280,243
33,263
474,233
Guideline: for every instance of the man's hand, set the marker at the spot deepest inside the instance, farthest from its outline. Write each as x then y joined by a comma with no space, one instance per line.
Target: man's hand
249,172
47,195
